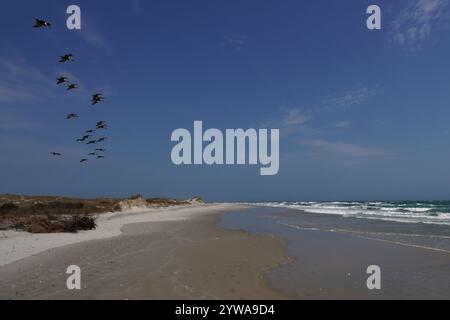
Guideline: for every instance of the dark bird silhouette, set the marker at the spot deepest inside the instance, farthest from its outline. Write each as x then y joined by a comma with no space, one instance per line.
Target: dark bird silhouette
102,139
100,149
101,123
91,142
55,153
92,154
103,126
84,138
66,57
62,80
71,116
90,131
41,24
100,157
83,160
96,98
72,86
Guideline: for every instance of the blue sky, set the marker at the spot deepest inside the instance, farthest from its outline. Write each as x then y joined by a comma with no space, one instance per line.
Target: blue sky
362,114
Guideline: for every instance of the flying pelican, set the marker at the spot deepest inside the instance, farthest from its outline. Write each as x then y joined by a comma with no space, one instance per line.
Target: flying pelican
55,153
103,126
71,116
91,142
83,160
84,138
100,149
100,157
41,23
96,98
90,131
102,139
72,86
66,57
92,154
62,80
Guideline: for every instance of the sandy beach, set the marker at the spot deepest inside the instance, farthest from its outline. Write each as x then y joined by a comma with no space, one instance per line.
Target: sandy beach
176,253
18,245
228,251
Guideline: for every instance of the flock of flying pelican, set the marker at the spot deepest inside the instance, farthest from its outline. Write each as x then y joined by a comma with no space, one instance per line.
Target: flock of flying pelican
88,136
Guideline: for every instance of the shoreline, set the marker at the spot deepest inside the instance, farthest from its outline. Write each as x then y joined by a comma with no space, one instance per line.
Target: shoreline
331,255
228,251
185,256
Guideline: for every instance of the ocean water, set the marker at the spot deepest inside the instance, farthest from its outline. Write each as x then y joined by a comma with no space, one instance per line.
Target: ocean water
331,250
429,212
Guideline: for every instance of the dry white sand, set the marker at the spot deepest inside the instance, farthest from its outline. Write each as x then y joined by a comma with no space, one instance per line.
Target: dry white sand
18,245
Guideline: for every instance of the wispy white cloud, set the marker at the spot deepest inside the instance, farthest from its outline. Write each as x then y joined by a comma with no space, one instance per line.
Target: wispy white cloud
290,122
92,35
295,117
14,94
10,121
351,97
341,149
417,20
95,39
342,124
300,126
19,71
20,82
236,42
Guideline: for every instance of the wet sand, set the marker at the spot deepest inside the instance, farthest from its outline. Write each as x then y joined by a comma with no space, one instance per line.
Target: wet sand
331,254
190,259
